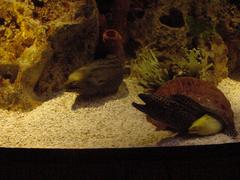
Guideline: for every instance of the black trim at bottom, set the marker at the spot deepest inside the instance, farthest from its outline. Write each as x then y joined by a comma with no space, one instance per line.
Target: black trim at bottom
189,162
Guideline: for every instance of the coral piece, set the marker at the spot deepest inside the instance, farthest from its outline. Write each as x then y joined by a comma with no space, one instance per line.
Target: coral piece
119,17
102,25
113,26
113,43
42,42
115,13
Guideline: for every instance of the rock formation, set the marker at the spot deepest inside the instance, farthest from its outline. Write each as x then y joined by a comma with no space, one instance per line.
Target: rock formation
42,42
169,26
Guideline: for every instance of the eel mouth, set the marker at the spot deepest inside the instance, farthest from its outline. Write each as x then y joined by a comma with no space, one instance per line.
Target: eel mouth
147,99
71,87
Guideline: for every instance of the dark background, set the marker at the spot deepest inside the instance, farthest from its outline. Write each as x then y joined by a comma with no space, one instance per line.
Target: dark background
193,162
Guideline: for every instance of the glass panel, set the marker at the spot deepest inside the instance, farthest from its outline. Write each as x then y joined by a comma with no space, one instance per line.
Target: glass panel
119,73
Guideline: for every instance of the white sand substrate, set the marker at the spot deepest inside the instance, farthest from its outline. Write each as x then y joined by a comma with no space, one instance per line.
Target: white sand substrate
104,123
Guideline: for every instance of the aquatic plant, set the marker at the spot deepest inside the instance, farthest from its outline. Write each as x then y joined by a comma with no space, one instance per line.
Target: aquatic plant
194,64
113,42
151,73
146,68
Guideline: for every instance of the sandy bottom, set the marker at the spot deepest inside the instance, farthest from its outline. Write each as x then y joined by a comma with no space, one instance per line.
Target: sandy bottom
105,123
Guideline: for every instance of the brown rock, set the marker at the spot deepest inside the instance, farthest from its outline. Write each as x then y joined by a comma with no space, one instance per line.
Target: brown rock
161,24
172,25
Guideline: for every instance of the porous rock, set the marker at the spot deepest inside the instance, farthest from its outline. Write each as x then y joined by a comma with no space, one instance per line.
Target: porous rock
170,26
42,42
159,23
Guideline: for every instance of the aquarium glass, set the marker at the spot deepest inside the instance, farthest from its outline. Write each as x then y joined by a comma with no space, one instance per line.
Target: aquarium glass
119,73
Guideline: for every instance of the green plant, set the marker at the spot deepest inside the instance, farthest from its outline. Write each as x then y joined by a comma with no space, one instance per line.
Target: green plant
151,73
146,68
195,63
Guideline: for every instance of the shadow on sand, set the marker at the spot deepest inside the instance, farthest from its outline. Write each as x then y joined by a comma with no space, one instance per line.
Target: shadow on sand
97,101
235,75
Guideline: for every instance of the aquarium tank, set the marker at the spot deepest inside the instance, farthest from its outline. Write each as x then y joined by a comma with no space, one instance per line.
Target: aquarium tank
119,73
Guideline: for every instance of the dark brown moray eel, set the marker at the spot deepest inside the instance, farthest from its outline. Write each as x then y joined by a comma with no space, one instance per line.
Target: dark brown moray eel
101,77
180,112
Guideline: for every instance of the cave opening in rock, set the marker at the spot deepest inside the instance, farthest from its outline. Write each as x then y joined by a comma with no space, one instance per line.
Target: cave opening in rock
9,71
174,19
2,21
131,47
104,6
38,3
135,14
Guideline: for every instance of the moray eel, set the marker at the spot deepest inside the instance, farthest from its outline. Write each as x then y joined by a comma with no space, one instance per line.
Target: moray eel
205,125
101,77
182,114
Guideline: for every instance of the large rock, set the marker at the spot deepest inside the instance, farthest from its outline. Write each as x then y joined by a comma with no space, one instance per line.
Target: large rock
171,25
42,42
227,17
160,24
